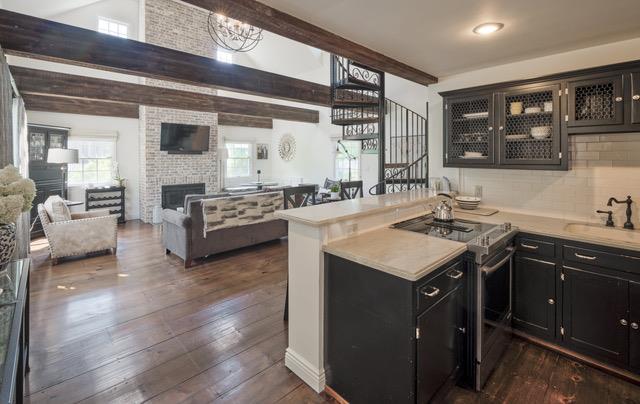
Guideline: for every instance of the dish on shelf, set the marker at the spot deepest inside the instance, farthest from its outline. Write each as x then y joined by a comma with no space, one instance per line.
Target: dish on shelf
472,154
472,115
532,110
540,132
516,136
472,157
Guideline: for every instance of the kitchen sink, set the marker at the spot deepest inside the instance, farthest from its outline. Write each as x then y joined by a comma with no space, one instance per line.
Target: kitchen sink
612,233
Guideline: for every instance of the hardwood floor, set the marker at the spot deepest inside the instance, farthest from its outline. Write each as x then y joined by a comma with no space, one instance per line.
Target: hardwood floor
138,327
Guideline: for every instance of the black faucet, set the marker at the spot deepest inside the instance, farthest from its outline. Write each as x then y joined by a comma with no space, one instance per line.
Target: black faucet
609,217
627,224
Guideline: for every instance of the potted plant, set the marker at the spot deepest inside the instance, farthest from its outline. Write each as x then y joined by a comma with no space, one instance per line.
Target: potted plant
119,180
335,191
16,196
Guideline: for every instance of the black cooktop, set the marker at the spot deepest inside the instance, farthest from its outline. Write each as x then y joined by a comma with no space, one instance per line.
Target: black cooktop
458,230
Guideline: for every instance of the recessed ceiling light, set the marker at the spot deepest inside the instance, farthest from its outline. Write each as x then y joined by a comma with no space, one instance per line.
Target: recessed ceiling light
488,28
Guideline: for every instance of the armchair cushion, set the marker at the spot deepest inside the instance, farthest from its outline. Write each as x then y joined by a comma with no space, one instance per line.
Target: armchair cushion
57,210
91,213
175,217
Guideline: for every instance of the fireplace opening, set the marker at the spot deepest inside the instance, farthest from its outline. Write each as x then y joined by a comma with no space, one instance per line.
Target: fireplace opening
173,195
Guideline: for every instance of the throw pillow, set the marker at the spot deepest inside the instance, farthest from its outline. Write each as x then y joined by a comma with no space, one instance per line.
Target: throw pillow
57,210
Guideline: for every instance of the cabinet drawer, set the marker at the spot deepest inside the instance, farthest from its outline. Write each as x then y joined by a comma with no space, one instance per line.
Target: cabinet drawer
600,258
531,245
434,289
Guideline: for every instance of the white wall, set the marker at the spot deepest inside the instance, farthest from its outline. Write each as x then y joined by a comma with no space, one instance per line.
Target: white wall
127,148
573,194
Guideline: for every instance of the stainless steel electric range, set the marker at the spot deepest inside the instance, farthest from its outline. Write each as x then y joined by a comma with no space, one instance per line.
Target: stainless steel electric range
491,259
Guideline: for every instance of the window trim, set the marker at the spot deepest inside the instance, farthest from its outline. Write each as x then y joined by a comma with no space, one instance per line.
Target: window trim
252,146
98,136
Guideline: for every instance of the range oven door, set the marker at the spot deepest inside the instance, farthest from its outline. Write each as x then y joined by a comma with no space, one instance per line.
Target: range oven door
493,326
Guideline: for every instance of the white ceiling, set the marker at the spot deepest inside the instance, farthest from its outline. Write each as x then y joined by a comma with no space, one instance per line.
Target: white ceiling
45,8
435,35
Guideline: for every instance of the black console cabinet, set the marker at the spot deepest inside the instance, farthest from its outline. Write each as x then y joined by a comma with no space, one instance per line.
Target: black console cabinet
390,340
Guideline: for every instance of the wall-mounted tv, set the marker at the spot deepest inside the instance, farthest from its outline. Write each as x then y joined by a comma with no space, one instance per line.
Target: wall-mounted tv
187,139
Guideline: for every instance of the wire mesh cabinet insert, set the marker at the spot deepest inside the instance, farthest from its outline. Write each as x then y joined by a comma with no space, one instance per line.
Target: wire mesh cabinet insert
529,126
469,131
596,101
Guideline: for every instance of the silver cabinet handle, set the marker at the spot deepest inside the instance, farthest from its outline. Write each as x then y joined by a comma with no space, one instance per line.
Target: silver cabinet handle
529,246
551,301
634,326
501,128
618,99
434,291
636,97
455,274
585,257
490,128
623,321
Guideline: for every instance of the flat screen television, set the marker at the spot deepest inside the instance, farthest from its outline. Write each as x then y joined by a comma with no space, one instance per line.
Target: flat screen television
179,138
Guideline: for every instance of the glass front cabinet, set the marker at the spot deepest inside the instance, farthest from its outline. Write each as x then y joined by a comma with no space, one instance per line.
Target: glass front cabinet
527,124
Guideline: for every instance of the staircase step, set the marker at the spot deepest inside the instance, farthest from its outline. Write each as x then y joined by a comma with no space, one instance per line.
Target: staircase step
405,181
395,165
354,103
353,121
352,83
363,136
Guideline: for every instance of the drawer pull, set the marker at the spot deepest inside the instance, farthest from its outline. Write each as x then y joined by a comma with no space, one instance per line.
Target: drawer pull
529,246
455,274
585,257
634,326
434,291
623,321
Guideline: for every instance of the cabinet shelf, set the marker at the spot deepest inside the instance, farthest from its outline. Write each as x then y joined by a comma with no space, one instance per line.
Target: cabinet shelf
95,199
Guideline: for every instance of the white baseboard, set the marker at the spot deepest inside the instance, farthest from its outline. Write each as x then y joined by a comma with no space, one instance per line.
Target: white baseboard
309,374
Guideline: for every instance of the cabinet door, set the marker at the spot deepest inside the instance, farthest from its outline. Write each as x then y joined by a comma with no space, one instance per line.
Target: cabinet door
37,145
469,134
634,323
596,101
635,97
529,130
534,297
440,344
595,314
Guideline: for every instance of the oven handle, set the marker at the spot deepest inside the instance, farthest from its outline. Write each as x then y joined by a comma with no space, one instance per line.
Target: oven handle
489,270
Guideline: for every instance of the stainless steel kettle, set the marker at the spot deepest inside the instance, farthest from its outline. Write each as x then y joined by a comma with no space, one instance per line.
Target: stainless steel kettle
444,211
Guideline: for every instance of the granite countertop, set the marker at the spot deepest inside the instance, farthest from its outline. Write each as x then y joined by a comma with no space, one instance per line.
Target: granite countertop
401,253
334,212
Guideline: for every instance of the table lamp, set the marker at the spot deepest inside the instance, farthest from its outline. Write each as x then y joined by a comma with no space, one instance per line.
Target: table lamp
64,157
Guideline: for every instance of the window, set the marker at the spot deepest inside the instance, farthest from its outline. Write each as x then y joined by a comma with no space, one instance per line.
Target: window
113,27
96,158
224,56
239,159
342,160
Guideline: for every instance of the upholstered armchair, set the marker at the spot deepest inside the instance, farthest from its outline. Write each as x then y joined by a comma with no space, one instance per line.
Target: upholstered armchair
82,233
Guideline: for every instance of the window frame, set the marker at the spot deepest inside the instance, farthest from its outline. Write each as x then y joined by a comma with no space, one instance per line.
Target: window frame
250,158
227,57
112,21
103,137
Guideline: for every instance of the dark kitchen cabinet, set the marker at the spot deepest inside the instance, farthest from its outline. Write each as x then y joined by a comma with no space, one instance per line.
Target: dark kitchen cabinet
595,320
470,129
634,326
635,97
534,296
440,344
529,126
596,101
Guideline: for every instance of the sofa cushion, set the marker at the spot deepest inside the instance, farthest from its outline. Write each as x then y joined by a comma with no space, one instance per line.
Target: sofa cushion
234,211
57,210
197,197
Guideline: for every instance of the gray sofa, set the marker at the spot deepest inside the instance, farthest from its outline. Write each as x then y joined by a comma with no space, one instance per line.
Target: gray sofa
183,235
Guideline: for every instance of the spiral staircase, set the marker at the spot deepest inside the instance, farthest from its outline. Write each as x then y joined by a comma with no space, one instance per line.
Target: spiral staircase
397,134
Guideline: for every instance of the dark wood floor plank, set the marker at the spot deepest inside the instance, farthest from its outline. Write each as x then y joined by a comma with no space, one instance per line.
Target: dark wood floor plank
303,394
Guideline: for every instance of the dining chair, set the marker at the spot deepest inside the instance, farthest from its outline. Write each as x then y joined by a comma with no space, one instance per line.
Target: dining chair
351,190
298,197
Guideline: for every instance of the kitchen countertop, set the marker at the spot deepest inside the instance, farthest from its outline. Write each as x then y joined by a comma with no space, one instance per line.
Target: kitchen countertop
397,252
334,212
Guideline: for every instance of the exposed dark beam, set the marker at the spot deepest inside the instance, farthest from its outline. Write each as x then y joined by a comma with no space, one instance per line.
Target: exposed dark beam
245,121
85,106
48,40
272,20
79,106
44,82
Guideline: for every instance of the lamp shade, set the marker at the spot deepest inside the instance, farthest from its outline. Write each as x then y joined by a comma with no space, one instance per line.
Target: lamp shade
62,156
223,153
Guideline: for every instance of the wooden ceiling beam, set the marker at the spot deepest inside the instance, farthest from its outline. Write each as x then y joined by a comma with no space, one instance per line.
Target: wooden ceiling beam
33,81
83,106
286,25
33,37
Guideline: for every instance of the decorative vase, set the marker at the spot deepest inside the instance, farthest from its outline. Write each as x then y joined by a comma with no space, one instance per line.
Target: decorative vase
7,242
335,195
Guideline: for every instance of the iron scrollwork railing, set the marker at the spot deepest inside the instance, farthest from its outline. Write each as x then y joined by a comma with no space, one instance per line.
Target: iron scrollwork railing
401,178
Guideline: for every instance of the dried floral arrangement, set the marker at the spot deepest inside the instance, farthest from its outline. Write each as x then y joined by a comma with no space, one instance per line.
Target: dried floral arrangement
16,194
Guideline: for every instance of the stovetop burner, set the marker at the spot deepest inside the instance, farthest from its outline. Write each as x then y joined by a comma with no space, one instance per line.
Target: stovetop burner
457,230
